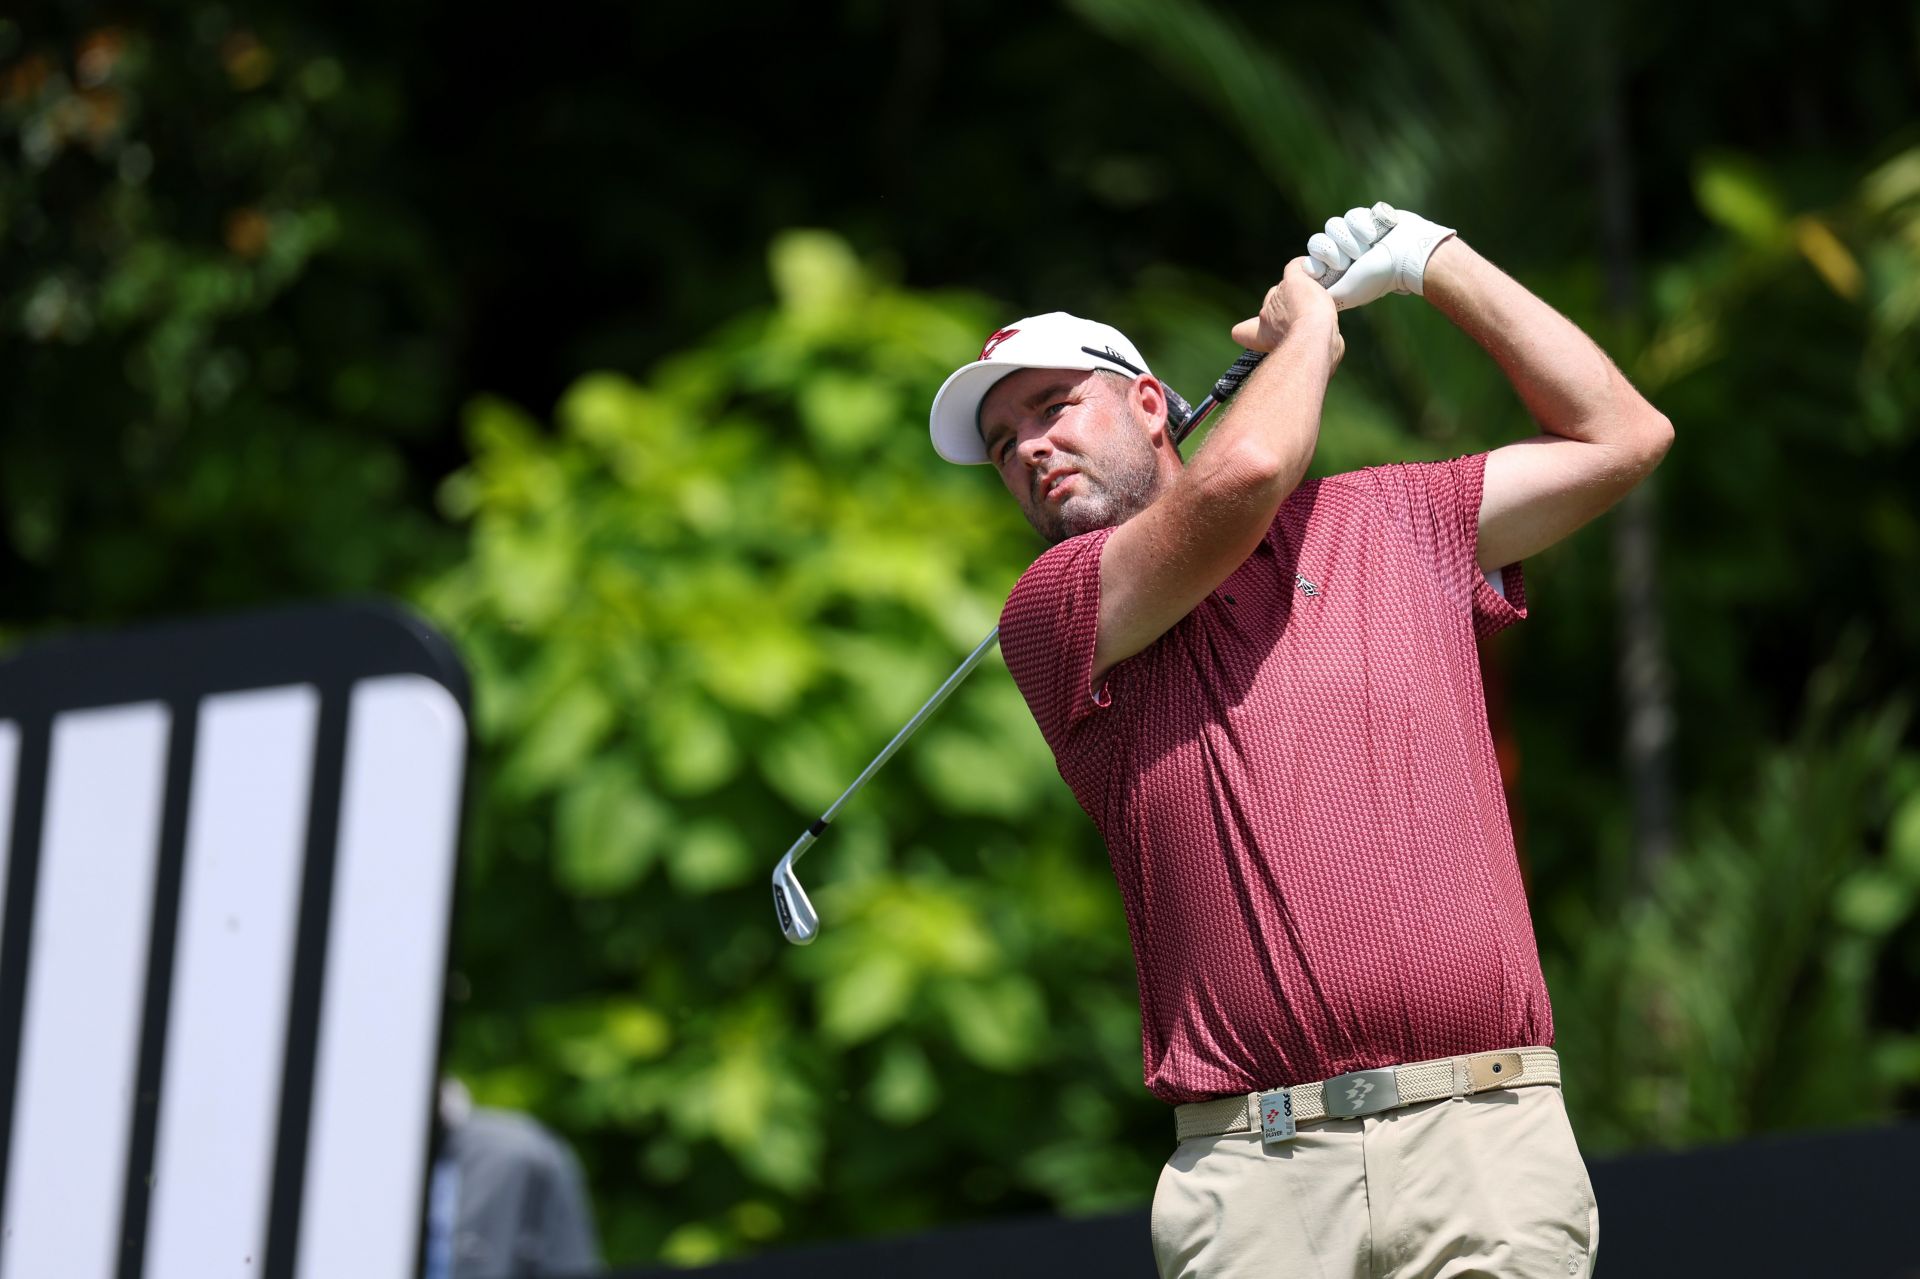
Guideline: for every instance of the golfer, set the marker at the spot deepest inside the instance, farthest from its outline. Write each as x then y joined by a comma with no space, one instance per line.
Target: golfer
1264,690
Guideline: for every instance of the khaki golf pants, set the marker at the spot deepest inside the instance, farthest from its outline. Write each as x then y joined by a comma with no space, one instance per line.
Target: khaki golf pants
1487,1185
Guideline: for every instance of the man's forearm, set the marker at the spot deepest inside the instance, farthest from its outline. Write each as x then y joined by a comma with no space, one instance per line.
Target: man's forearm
1273,425
1566,381
1156,567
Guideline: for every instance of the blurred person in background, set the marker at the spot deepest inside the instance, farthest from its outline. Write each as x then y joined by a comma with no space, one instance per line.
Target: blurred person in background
507,1199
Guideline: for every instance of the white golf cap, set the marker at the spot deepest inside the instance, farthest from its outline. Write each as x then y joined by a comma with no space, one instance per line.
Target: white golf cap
1055,340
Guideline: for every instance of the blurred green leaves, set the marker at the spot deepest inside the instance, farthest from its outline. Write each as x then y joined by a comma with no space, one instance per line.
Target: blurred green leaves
181,434
1739,995
1875,899
1736,193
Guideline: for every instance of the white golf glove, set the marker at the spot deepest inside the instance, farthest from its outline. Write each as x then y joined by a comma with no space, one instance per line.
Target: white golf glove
1372,252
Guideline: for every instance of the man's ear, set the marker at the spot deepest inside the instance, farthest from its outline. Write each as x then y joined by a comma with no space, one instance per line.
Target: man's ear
1150,398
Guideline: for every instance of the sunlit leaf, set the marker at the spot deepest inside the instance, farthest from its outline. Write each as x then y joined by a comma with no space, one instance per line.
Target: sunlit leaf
970,773
561,737
1000,1023
1832,259
693,748
759,670
1873,901
845,412
904,1090
637,1030
1735,193
707,856
1894,183
866,996
608,831
693,1244
1903,839
816,276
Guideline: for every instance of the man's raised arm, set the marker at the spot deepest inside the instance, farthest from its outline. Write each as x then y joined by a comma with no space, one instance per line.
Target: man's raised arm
1600,437
1157,566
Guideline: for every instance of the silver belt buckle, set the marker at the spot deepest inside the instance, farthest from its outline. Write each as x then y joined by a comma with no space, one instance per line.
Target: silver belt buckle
1364,1092
1276,1116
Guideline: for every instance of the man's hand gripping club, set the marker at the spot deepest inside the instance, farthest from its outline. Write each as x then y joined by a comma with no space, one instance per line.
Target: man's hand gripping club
1373,252
1156,567
1299,298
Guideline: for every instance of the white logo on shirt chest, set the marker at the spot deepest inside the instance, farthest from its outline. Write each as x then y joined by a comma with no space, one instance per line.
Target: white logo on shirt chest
1307,588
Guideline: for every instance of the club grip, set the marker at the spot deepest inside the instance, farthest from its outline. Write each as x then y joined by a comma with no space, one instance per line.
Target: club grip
1230,380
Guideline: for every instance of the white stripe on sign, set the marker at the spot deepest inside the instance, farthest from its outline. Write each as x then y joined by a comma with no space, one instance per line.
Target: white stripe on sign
85,988
380,1004
233,968
9,769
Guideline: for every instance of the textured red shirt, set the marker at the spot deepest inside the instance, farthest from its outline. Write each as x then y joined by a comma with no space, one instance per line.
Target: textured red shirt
1298,790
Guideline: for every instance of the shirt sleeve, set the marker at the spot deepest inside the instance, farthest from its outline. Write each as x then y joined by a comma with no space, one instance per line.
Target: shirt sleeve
1047,632
1439,504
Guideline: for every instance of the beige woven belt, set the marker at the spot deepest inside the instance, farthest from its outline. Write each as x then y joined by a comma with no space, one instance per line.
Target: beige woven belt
1368,1092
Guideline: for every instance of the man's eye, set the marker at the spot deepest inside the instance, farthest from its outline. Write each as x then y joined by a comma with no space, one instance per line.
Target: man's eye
1055,407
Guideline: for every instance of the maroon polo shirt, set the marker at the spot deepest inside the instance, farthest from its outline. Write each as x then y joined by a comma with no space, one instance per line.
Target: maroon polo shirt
1298,790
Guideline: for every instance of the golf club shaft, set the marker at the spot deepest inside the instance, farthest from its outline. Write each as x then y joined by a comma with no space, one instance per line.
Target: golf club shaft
940,695
1223,389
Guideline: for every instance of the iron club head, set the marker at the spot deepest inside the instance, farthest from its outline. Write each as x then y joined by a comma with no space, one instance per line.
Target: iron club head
797,917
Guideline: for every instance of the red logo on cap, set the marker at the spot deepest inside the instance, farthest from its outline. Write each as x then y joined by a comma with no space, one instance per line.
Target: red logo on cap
986,352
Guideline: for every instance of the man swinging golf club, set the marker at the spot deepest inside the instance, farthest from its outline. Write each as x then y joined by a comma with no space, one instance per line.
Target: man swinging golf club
1265,692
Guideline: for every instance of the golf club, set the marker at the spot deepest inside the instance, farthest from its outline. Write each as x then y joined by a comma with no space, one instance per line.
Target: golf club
798,920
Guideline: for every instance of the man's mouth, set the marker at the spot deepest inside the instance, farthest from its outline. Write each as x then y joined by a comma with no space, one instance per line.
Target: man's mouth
1053,482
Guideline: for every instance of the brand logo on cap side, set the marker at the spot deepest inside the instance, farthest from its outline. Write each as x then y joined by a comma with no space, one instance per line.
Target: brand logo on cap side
1112,356
986,352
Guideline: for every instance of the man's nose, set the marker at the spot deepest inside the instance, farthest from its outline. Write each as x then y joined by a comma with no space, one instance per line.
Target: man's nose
1035,449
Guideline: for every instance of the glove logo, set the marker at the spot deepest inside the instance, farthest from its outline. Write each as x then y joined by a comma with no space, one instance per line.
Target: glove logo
986,352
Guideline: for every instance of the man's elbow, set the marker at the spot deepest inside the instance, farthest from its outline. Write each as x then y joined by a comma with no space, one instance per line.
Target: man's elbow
1652,437
1254,472
1639,433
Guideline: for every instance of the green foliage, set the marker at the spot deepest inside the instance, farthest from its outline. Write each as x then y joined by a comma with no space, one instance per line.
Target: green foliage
1738,996
181,433
695,609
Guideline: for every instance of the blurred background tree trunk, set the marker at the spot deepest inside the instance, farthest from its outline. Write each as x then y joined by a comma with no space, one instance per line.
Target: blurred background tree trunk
1645,676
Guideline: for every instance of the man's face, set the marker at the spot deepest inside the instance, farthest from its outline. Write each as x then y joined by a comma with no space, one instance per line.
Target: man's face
1072,447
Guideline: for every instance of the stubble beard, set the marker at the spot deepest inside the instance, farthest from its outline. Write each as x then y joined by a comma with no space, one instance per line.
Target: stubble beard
1124,484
